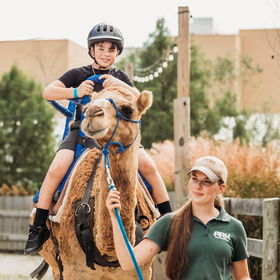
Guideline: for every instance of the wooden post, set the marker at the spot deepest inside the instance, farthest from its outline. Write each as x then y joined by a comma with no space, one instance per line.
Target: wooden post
128,68
181,118
270,238
183,62
181,137
182,107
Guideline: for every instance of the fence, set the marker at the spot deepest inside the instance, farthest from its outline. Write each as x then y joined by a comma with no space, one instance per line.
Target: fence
14,218
267,249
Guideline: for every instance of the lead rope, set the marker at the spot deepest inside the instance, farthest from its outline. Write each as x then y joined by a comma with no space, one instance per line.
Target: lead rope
111,186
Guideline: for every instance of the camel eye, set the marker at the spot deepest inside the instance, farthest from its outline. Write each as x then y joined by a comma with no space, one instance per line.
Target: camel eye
84,109
126,111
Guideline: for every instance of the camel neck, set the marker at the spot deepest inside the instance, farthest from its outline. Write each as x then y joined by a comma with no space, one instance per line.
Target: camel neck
124,166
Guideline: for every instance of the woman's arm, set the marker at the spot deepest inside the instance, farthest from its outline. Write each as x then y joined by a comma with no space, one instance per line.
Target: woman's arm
57,90
240,270
144,251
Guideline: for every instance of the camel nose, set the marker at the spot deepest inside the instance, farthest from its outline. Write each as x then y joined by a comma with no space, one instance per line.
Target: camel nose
93,111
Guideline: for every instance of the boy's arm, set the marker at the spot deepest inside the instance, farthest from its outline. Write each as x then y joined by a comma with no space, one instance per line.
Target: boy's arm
57,90
150,172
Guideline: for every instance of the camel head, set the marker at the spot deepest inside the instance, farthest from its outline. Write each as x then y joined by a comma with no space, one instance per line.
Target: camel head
115,107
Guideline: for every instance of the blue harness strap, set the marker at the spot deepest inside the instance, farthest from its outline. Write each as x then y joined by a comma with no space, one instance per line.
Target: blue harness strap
69,113
79,148
148,186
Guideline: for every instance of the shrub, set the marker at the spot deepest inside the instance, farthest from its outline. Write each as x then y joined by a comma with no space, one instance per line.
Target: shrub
14,190
163,156
253,171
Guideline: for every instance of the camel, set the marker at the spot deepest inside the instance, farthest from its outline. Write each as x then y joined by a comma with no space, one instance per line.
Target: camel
67,259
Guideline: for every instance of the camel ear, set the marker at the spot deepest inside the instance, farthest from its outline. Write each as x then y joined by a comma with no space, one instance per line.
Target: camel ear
144,101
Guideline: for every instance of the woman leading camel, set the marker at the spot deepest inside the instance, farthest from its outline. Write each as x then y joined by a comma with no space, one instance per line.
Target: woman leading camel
201,239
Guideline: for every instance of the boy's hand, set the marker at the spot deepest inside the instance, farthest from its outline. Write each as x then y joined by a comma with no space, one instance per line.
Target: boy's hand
85,88
110,81
113,201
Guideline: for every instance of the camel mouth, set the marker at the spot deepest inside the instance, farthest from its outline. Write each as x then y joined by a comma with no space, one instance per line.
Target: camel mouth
96,133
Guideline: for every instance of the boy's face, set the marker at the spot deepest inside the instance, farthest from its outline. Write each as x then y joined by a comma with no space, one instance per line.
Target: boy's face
104,53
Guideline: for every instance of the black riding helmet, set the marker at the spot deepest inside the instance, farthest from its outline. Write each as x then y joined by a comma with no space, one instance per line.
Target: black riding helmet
105,32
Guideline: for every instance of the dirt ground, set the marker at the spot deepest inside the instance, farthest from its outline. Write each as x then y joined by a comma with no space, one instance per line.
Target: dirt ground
18,267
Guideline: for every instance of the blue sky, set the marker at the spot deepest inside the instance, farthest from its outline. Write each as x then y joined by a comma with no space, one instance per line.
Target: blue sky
60,19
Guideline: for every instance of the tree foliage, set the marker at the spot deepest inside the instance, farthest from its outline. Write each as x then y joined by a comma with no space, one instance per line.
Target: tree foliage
158,121
26,134
211,94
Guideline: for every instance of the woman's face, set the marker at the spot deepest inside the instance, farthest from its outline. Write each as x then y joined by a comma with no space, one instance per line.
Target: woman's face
105,54
202,190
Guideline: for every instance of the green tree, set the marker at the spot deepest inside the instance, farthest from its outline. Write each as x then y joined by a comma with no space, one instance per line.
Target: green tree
211,83
158,122
202,118
26,134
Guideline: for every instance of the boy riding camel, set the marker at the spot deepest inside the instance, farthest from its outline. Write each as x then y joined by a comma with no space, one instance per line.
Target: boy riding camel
105,43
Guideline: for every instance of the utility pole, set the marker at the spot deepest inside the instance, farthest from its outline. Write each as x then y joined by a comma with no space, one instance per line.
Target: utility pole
181,107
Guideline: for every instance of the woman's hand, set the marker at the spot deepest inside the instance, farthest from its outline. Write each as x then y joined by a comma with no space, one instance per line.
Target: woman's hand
85,88
113,201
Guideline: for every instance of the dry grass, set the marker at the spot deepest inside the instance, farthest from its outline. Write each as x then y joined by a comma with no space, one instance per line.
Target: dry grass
163,156
253,171
6,190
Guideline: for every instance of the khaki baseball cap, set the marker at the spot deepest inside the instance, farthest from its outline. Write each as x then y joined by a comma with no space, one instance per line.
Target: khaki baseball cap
212,167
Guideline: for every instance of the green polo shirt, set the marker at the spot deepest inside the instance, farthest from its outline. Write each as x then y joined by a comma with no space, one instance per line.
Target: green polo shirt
212,247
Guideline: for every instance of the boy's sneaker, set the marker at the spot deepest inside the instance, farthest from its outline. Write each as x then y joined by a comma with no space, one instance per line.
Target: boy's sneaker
36,238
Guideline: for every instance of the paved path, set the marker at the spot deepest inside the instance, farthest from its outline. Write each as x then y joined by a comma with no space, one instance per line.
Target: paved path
18,267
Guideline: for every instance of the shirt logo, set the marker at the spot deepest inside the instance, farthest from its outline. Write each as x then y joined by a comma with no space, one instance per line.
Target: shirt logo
222,235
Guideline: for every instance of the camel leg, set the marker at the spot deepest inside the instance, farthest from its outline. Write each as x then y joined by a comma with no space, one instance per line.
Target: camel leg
104,273
55,276
74,268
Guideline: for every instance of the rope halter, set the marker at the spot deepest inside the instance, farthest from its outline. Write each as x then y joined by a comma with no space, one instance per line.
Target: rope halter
122,148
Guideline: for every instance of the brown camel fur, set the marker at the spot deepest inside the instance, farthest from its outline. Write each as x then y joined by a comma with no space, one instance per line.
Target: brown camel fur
99,123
